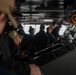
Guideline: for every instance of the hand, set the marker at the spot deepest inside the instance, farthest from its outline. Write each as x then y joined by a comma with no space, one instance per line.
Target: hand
35,70
24,54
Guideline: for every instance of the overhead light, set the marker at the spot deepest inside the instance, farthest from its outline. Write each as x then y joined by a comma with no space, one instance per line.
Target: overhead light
48,20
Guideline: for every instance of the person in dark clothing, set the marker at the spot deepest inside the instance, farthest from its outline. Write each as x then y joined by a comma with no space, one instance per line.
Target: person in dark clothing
25,41
5,56
31,41
50,36
55,32
41,39
31,36
15,38
27,44
6,8
31,31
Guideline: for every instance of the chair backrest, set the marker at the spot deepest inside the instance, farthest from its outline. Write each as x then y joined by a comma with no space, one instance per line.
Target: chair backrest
49,49
45,58
60,51
71,47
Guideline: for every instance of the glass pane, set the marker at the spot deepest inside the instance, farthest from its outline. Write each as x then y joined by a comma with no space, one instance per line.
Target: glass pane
26,28
62,30
37,28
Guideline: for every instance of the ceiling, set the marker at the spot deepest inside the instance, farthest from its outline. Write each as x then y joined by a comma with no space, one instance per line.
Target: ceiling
36,11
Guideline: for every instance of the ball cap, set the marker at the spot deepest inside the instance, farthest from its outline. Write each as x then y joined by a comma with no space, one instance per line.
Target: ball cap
7,6
12,34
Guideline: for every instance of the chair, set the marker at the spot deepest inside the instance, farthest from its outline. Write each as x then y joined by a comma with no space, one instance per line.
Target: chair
71,47
45,58
60,51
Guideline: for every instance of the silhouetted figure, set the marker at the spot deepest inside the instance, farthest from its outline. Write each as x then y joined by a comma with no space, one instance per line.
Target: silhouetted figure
31,41
41,39
31,36
14,40
31,31
50,36
55,32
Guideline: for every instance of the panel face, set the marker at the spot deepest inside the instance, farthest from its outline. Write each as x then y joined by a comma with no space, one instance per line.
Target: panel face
65,65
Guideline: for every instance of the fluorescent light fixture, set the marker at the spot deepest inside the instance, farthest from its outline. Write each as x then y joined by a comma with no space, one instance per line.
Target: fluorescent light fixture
48,20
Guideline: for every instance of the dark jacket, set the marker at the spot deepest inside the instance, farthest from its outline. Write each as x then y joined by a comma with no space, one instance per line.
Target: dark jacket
7,62
41,39
4,71
55,33
31,39
14,49
4,48
16,52
51,38
16,66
